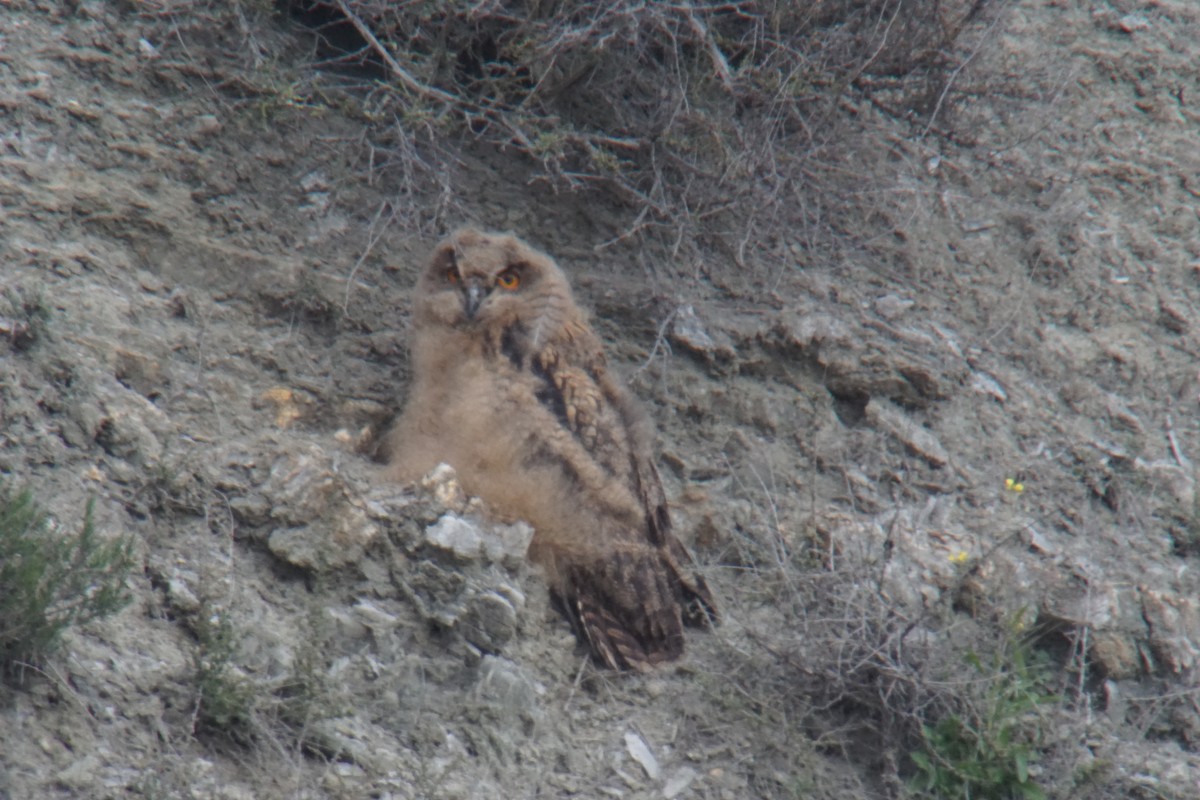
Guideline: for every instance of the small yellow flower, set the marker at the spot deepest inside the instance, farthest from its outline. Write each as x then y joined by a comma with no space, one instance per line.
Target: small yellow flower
959,558
1014,486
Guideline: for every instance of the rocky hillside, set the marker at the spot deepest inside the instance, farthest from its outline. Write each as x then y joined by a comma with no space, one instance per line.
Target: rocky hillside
938,476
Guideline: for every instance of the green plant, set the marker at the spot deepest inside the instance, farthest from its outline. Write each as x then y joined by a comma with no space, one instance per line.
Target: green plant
308,694
988,748
232,703
225,699
50,580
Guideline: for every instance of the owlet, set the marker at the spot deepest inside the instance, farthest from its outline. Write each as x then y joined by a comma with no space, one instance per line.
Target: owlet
511,388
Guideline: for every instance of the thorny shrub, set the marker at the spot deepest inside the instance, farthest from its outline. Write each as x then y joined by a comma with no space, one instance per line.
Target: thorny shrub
946,705
716,123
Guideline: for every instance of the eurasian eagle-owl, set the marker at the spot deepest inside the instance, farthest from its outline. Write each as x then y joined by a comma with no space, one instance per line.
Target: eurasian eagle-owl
511,388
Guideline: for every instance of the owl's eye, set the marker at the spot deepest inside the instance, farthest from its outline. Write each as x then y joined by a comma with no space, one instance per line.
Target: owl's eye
508,279
452,276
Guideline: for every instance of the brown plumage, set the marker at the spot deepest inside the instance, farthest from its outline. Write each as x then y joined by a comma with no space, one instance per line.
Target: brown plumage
511,388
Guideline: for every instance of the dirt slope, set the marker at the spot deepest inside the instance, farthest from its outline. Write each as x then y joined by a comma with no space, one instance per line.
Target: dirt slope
208,267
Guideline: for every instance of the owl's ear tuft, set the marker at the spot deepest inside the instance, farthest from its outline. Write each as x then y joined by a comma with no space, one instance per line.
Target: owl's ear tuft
443,257
521,267
443,267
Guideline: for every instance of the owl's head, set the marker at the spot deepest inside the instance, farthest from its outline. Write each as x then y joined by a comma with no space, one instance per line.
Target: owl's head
495,285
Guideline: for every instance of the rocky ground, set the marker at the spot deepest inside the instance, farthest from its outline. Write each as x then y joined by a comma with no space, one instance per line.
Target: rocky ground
202,326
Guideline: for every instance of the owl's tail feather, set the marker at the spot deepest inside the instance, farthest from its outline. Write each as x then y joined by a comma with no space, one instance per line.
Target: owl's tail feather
616,646
631,607
699,607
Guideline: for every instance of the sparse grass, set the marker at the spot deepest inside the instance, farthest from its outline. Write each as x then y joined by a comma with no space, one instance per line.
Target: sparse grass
232,703
310,694
939,704
52,579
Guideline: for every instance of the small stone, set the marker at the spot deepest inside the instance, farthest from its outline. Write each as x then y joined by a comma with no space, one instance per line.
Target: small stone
678,782
289,405
138,371
353,739
1133,22
180,595
250,509
457,536
1094,606
508,544
891,306
984,384
314,182
373,615
150,282
688,330
507,685
126,435
295,546
206,125
490,621
80,773
1173,318
893,420
442,483
300,488
317,546
81,111
347,625
1116,655
1174,629
640,752
353,532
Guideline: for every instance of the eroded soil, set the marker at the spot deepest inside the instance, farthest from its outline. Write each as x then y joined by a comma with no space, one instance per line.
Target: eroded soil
204,304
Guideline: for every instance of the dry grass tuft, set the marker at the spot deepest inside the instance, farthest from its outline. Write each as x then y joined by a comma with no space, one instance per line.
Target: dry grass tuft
714,124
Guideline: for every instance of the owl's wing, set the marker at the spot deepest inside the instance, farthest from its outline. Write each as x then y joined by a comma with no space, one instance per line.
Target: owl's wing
626,606
699,607
602,418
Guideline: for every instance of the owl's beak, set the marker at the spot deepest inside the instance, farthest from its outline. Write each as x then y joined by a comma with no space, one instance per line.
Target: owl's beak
474,296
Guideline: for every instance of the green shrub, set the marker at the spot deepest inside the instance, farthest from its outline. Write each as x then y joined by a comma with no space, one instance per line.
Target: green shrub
226,700
986,749
50,580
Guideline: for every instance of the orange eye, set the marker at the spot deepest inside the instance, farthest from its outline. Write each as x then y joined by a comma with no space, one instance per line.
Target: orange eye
452,276
508,280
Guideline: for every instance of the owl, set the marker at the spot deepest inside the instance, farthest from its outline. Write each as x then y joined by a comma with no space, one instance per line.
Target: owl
511,388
